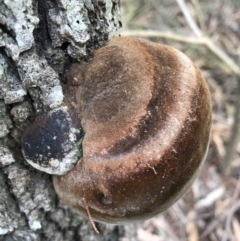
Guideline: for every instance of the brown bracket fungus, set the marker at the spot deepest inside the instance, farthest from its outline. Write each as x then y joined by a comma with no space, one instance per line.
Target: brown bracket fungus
145,111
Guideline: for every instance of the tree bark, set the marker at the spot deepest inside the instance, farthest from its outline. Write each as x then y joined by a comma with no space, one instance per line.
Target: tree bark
37,40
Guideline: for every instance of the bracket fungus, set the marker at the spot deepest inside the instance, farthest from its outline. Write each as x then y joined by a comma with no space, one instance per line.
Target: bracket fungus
145,112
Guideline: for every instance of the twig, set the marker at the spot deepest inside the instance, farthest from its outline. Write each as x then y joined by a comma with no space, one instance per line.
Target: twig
234,136
209,43
234,208
189,18
90,216
200,16
167,35
212,46
223,56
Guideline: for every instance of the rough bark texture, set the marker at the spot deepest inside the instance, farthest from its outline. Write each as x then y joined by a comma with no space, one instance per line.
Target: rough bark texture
37,39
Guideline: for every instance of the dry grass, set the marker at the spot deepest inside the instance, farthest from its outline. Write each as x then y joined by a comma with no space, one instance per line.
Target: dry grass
210,210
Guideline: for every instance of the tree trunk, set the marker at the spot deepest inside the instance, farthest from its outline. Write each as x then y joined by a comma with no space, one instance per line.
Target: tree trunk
37,40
